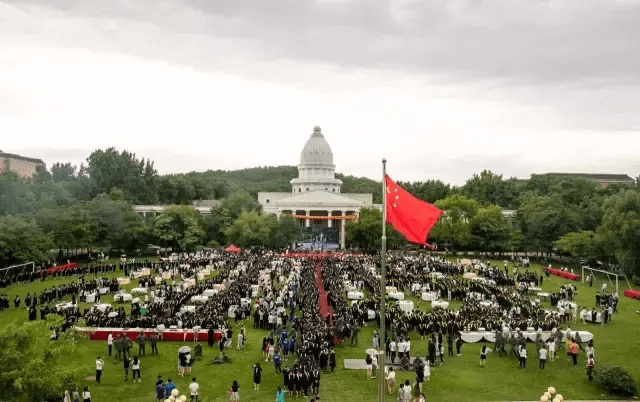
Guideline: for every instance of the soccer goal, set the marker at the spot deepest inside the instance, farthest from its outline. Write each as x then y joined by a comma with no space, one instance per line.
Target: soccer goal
17,269
609,274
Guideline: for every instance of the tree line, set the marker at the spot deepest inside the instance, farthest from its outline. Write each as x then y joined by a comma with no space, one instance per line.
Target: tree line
90,206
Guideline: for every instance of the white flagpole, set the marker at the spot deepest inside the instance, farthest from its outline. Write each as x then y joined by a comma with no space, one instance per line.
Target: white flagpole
383,261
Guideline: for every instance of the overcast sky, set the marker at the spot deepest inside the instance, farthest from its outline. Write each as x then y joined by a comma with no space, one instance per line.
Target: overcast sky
441,88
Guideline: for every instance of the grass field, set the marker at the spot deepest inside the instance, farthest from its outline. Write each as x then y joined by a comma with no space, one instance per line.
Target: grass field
459,379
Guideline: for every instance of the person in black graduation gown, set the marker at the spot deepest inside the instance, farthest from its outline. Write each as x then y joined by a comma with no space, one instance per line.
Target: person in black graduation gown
332,360
210,337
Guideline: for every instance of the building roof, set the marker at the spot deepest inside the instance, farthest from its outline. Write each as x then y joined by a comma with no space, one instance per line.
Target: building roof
595,176
24,158
310,198
316,150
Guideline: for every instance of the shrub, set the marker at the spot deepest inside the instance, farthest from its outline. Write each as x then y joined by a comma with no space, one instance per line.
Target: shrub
616,380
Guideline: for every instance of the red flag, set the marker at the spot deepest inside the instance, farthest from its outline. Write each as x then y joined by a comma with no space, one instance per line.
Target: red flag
408,215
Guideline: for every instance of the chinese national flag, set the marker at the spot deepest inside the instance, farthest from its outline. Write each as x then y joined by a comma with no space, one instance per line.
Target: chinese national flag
408,215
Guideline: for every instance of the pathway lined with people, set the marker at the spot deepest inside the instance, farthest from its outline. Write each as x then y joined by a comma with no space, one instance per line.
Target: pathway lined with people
325,309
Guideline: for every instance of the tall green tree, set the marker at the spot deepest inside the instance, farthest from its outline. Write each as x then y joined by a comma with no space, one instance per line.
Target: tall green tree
21,240
490,229
366,233
112,169
454,226
32,369
285,232
489,188
179,227
251,229
240,201
544,219
619,232
430,190
581,245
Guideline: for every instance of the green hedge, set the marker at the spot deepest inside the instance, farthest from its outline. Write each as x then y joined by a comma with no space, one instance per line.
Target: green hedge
616,380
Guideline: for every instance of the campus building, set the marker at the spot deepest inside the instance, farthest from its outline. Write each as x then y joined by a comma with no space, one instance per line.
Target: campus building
23,166
316,200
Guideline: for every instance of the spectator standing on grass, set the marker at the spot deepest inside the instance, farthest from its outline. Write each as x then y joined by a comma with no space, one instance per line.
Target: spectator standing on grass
86,395
126,363
257,376
483,355
591,363
141,340
135,366
542,355
99,366
160,390
75,395
234,392
110,342
168,388
195,390
523,356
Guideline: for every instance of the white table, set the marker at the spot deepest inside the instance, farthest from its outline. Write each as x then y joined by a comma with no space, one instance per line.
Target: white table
440,304
188,309
64,306
209,292
355,295
139,291
219,287
543,295
104,291
371,314
122,297
429,296
396,295
124,281
469,275
232,311
201,299
391,289
565,304
476,336
416,287
102,306
406,306
245,302
487,303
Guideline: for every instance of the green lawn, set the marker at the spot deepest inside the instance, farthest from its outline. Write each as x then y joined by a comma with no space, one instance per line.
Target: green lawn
459,379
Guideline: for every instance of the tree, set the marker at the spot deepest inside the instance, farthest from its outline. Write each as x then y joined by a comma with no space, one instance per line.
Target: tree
179,227
454,226
63,171
116,224
136,178
579,244
21,240
32,363
544,219
490,229
430,190
239,201
489,188
620,229
285,232
366,233
251,229
215,224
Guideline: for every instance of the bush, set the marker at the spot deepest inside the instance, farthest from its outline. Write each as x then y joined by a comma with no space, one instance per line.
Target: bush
616,380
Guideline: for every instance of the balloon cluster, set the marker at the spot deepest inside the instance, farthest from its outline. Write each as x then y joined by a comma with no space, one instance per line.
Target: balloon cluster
548,396
175,398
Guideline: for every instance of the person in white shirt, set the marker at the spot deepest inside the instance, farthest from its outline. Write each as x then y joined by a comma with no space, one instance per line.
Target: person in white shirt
99,366
392,349
407,348
391,380
542,355
86,396
195,390
523,357
483,354
110,342
552,349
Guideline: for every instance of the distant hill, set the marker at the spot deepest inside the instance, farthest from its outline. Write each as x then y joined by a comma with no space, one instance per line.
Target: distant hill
276,179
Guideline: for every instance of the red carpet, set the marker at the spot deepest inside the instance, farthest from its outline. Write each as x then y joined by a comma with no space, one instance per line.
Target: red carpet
325,309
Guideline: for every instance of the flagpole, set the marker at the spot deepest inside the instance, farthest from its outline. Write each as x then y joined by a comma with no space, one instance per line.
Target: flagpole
383,273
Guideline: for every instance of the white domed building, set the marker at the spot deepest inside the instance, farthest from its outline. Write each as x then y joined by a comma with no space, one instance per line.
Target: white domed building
315,199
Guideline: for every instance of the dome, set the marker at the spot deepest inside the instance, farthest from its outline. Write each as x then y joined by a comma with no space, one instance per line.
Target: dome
316,150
